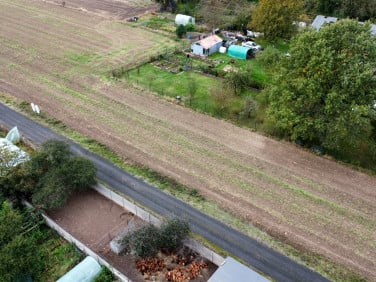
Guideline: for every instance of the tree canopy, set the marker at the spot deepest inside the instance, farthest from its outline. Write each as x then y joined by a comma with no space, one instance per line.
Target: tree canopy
361,9
50,176
19,254
275,18
326,90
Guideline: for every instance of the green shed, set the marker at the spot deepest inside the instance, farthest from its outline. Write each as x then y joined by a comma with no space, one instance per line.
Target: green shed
240,52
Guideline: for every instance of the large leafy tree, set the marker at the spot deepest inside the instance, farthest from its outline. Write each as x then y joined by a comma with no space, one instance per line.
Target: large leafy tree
275,18
51,175
361,9
19,256
326,90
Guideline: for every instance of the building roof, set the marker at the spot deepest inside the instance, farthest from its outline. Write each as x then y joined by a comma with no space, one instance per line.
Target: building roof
232,270
209,41
373,29
238,52
320,20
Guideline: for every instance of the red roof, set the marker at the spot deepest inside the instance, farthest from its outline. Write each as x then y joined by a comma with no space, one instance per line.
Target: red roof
209,41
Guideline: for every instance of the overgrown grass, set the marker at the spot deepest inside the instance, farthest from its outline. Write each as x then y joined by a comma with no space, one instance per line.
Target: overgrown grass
318,263
162,22
61,256
159,81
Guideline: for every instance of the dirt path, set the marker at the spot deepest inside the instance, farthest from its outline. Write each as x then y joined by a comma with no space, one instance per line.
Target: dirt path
308,201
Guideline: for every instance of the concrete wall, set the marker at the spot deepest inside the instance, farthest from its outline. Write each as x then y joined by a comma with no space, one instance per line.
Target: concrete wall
146,216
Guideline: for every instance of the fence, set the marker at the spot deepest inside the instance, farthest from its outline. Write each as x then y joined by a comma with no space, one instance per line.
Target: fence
146,216
83,248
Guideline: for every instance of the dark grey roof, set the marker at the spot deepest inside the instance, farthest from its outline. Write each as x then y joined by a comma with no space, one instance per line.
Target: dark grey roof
320,20
232,270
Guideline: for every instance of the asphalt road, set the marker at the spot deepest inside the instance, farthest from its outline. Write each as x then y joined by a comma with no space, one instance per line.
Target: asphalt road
257,255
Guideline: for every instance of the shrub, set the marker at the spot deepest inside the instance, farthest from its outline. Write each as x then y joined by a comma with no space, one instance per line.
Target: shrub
105,275
144,242
190,27
173,232
148,240
180,31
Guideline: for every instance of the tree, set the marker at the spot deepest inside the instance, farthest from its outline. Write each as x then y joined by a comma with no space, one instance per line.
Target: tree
6,158
238,80
144,242
173,232
326,90
180,31
192,88
148,240
51,175
167,5
19,256
222,96
275,18
227,14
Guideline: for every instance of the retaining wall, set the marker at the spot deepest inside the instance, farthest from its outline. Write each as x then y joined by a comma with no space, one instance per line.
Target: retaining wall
146,216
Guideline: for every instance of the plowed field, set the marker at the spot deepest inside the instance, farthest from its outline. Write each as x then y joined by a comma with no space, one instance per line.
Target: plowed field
56,56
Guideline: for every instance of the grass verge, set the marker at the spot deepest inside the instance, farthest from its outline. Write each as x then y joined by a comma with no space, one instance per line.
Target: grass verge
318,263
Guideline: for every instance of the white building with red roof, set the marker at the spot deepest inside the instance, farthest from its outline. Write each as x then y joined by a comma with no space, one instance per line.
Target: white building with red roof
207,46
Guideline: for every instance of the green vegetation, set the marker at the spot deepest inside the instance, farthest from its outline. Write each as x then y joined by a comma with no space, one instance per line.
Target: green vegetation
49,177
327,97
148,240
28,249
331,270
105,276
204,93
275,18
361,9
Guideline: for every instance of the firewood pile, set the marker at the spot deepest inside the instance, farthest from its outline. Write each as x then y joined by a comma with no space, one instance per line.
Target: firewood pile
176,268
149,266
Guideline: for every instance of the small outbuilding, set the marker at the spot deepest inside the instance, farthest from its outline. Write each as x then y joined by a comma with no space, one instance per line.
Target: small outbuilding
240,52
207,46
232,270
184,19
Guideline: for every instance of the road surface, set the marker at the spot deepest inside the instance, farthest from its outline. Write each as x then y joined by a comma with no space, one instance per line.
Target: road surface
257,255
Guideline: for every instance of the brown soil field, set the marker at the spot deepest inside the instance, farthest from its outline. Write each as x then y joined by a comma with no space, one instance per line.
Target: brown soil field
57,57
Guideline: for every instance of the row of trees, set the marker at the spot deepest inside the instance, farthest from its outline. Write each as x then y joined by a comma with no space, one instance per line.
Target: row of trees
361,9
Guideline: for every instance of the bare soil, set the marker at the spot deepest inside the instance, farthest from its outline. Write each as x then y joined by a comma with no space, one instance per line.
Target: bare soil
95,221
311,202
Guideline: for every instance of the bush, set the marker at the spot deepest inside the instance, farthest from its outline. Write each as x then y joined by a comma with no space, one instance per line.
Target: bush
148,240
180,31
173,232
269,57
144,242
190,27
105,276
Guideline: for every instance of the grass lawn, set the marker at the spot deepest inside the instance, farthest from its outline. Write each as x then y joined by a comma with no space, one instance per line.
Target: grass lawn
159,80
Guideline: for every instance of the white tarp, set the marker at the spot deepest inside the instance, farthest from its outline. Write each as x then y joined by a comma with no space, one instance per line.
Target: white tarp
184,19
13,135
10,154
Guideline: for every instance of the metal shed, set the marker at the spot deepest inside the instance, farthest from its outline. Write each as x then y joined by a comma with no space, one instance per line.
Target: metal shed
184,19
232,270
240,52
